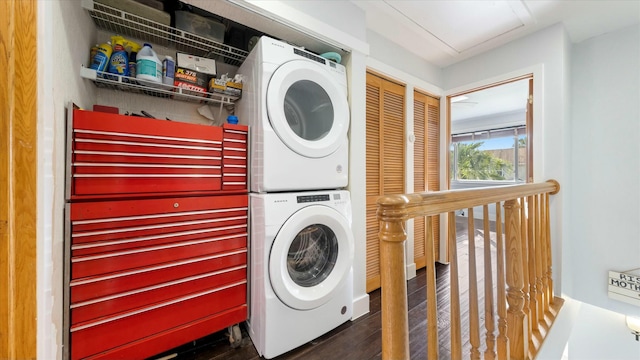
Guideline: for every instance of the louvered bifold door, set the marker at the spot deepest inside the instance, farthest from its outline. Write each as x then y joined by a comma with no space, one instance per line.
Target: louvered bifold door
426,167
385,159
142,269
114,155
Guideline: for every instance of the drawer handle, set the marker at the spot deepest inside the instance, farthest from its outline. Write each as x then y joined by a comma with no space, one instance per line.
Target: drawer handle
80,131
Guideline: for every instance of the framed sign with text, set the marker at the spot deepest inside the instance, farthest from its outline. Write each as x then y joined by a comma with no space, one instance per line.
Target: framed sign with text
625,286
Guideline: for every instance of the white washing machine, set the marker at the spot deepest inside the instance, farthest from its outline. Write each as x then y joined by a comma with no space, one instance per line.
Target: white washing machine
296,104
301,268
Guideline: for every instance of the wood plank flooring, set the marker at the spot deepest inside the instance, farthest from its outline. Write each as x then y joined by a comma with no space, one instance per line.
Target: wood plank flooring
361,339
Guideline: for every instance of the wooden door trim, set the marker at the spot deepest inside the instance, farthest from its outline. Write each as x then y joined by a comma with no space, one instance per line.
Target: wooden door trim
18,179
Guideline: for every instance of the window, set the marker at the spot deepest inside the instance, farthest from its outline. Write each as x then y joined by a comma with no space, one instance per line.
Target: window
490,134
493,154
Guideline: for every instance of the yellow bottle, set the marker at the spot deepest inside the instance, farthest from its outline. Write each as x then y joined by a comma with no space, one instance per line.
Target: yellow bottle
119,61
101,59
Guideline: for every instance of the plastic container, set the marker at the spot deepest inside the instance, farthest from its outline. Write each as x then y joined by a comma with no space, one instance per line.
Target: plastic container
199,25
119,62
232,119
148,66
138,8
168,70
133,58
102,56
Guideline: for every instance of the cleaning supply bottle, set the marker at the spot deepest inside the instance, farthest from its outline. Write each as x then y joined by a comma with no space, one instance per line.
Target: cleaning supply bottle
149,67
101,59
92,53
119,63
132,57
168,70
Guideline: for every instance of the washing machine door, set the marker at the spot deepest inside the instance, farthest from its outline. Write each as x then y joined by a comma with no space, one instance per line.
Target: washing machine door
311,257
307,108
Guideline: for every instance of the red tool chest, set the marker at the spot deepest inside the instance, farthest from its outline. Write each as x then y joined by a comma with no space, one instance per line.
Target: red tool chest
156,238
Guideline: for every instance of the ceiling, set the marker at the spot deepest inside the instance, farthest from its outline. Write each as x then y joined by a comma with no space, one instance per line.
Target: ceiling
506,98
444,32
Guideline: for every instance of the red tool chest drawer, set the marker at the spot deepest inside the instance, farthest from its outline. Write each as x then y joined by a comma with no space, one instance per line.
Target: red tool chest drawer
143,267
234,157
121,155
156,235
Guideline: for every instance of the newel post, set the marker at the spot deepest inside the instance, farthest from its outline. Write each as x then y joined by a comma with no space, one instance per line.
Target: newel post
395,321
517,320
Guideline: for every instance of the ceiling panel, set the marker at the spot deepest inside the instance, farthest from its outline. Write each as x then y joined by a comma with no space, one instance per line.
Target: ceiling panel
460,25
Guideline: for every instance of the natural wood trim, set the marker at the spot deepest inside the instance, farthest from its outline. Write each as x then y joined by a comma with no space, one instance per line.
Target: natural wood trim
408,206
18,205
395,333
529,125
385,77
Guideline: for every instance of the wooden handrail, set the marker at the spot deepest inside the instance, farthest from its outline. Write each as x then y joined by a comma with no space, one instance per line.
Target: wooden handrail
408,206
523,262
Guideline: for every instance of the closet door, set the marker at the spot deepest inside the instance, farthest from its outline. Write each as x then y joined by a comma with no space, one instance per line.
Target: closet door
426,168
385,159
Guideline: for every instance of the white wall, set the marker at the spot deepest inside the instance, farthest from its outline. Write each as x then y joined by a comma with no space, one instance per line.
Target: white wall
396,57
604,220
64,37
601,334
544,54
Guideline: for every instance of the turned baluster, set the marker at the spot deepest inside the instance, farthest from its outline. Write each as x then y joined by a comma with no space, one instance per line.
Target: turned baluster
525,266
517,320
474,318
548,243
432,304
454,289
503,340
489,321
540,298
544,257
533,246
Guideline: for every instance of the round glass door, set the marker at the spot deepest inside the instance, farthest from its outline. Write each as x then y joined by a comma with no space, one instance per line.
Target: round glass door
310,257
307,109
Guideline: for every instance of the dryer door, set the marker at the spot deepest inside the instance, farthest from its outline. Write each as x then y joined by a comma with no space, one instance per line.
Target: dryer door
307,108
311,257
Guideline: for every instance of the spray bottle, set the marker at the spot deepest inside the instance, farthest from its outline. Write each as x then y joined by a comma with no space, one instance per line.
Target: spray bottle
119,63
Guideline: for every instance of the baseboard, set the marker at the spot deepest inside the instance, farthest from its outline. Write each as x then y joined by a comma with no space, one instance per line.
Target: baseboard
410,271
360,306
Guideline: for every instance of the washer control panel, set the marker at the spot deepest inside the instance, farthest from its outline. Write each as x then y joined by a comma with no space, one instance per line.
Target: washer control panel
315,198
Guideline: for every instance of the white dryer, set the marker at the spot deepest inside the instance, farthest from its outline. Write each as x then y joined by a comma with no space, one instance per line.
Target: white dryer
301,268
296,104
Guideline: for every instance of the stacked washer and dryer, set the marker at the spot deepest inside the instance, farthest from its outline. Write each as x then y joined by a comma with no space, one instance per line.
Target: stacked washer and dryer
301,242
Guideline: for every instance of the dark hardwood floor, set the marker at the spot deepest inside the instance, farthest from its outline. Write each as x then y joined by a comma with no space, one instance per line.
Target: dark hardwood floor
361,338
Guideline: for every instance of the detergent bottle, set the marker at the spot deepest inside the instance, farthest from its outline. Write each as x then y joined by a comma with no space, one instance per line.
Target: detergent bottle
148,67
135,47
102,56
119,62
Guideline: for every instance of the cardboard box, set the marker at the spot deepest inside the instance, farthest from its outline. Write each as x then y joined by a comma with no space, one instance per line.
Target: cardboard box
196,63
192,80
227,87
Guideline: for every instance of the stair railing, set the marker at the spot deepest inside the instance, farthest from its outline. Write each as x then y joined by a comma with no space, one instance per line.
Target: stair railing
525,308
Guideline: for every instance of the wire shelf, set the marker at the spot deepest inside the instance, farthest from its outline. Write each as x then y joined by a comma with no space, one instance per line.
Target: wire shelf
126,24
133,85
